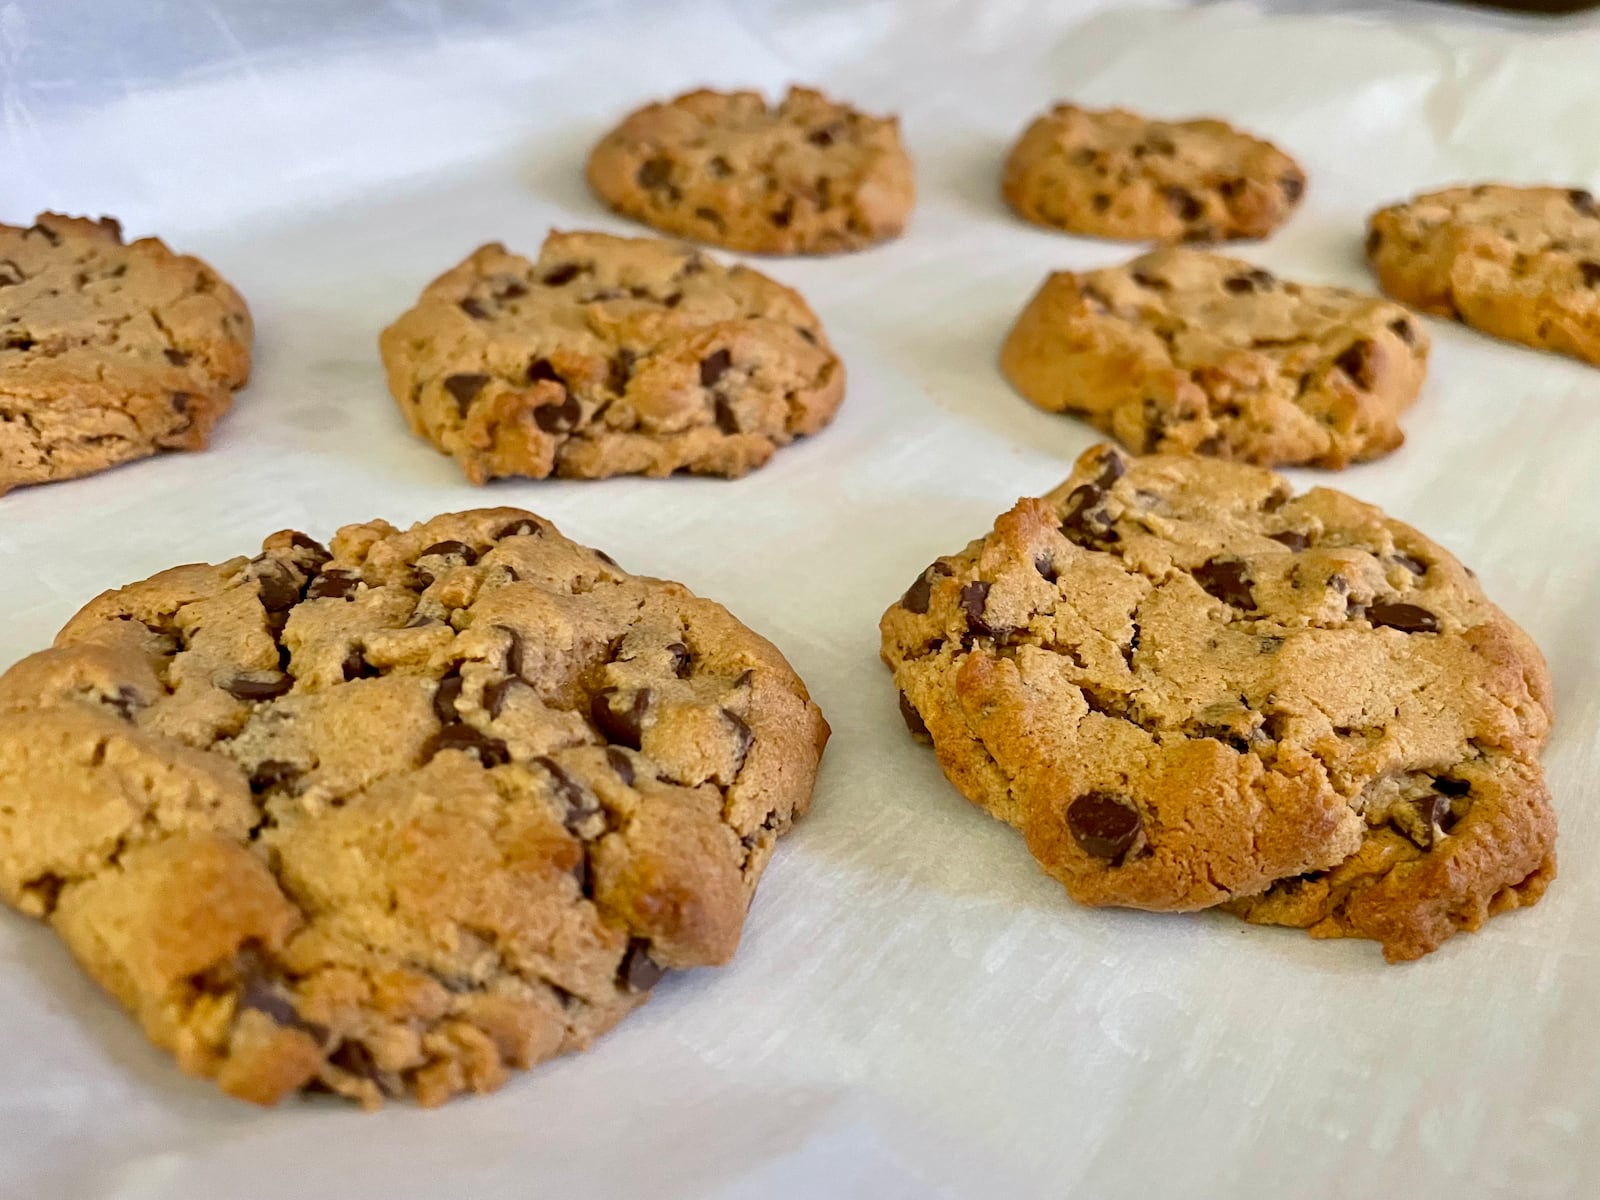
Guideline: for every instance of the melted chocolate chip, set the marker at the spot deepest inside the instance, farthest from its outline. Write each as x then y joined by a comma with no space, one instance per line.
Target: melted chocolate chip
1374,240
1291,538
742,737
542,370
273,774
727,419
1227,580
680,659
1185,203
918,595
624,728
1251,281
1404,330
559,418
333,585
490,752
474,309
1103,825
1415,565
275,586
1046,568
177,358
269,685
621,370
356,666
580,805
444,699
1357,361
464,389
494,695
1407,618
523,527
1083,522
563,274
713,367
1583,201
655,173
912,718
310,548
451,549
974,599
639,972
44,231
620,763
1590,271
1154,282
1451,787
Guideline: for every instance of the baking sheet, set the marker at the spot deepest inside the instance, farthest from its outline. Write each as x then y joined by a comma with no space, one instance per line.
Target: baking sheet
916,1010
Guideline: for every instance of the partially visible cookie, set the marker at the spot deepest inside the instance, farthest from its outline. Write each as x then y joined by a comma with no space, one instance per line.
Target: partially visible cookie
1521,263
804,176
396,819
1188,686
109,351
1112,173
1185,351
609,356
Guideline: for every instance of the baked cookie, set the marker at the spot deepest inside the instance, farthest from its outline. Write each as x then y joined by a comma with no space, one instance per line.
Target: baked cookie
609,356
1184,351
392,820
1189,687
108,351
807,176
1114,174
1521,263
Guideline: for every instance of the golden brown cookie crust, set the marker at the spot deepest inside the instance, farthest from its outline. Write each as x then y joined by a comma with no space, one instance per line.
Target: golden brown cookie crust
1521,263
395,820
1112,173
804,176
109,351
1189,687
1189,352
609,356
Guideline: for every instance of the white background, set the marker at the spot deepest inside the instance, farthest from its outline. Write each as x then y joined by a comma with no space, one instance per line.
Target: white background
916,1010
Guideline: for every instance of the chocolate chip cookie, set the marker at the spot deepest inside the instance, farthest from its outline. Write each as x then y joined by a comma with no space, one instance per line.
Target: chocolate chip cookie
109,351
1521,263
1185,351
609,356
1188,687
394,818
1115,174
804,176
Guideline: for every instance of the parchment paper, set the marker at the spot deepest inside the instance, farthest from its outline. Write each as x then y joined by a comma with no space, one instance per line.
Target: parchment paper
916,1010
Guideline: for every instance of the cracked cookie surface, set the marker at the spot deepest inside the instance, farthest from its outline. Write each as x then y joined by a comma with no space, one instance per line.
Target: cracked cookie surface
395,819
1189,687
609,356
803,176
109,351
1521,263
1116,174
1185,351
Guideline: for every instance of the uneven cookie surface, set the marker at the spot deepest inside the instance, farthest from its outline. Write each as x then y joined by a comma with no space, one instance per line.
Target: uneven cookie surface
1521,263
394,820
1185,351
803,176
108,351
1115,174
609,356
1189,687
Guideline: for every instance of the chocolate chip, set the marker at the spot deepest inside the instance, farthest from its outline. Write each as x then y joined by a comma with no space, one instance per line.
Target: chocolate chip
680,659
563,274
1154,282
44,231
356,666
1083,522
1356,361
474,309
1294,186
1590,271
719,166
1112,468
269,685
494,695
1451,787
605,558
275,586
727,419
1374,240
1415,565
619,762
784,215
655,173
273,773
639,972
123,702
11,274
451,549
522,527
1407,618
918,595
1404,330
1103,824
1582,200
333,585
713,367
1046,568
621,370
1227,580
464,389
1231,188
177,358
257,994
974,599
742,737
625,728
513,650
559,418
490,752
1255,280
579,803
1184,202
1100,201
1291,538
309,548
444,699
912,718
824,136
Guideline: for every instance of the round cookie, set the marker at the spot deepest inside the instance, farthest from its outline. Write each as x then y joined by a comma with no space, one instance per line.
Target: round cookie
1115,174
807,176
108,351
396,819
1189,687
1185,351
1521,263
609,356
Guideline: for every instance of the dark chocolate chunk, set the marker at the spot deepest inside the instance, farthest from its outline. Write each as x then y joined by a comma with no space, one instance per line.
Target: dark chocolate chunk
464,389
621,764
1407,618
912,718
713,367
625,728
523,527
639,972
919,594
1227,580
1357,361
451,549
1103,825
491,752
267,685
333,585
